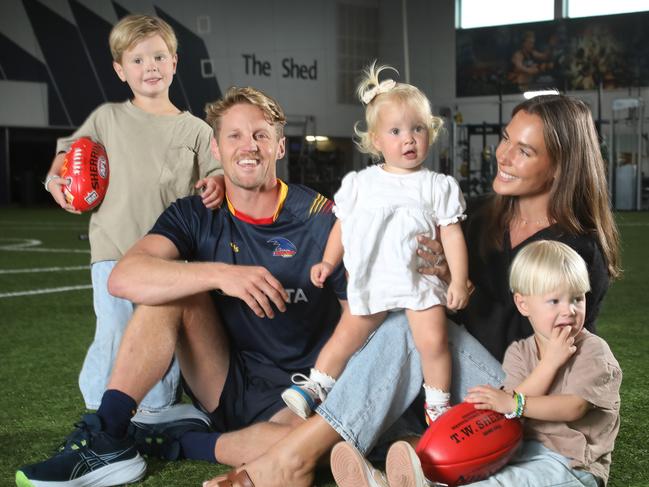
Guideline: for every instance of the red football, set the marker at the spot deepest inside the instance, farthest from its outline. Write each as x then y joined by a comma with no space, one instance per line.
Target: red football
466,444
86,168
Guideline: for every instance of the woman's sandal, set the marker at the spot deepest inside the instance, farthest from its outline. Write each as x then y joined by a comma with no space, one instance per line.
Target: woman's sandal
236,479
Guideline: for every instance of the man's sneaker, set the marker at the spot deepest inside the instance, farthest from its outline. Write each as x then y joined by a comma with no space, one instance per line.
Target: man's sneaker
304,396
403,467
157,434
350,469
432,413
88,457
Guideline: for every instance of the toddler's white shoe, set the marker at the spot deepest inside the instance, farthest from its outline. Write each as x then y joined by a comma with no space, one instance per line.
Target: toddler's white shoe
304,396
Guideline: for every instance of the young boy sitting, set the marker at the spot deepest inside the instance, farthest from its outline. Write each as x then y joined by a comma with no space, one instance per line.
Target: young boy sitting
563,380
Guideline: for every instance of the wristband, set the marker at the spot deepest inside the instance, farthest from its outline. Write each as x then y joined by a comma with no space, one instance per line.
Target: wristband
49,179
520,406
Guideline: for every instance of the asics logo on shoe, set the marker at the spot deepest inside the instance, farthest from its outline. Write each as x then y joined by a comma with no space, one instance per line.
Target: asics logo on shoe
90,461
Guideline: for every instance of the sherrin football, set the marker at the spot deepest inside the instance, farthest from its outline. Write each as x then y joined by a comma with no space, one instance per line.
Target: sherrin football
86,168
466,444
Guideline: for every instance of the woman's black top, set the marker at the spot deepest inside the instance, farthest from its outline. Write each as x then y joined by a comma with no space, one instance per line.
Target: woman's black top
491,315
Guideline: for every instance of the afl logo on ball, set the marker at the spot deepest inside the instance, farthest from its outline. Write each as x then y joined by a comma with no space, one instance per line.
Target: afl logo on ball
102,167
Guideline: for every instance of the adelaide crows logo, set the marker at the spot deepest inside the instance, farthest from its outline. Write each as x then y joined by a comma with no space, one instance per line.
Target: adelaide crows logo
283,247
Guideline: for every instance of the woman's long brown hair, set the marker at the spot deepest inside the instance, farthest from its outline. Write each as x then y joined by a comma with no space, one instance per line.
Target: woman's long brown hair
579,200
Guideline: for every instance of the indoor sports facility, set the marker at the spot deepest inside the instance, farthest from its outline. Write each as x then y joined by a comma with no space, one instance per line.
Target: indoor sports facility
56,68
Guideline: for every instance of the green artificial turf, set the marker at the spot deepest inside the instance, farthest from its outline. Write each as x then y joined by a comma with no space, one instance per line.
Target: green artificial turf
45,336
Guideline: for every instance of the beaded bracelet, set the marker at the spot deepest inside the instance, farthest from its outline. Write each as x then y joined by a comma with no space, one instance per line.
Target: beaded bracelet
520,406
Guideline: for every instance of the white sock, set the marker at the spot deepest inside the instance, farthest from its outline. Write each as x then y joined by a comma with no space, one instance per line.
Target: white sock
326,381
436,398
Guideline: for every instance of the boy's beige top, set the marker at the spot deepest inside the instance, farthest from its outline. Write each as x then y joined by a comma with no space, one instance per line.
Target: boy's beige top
593,374
153,160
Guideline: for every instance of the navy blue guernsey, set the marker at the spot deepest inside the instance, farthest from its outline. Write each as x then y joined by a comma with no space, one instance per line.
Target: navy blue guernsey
287,247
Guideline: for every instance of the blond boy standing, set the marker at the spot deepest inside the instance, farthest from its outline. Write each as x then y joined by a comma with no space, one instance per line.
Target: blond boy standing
157,154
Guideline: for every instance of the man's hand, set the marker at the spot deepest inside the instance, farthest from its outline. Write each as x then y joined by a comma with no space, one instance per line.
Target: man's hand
560,347
213,190
55,187
488,397
256,287
320,272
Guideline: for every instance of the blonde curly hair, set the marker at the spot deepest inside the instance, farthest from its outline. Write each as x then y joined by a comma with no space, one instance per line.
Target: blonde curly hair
374,96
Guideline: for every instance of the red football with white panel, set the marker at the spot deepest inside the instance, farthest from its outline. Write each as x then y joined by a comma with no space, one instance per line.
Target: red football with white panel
86,168
466,444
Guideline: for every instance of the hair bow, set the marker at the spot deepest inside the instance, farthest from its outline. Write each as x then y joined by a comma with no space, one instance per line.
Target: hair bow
383,87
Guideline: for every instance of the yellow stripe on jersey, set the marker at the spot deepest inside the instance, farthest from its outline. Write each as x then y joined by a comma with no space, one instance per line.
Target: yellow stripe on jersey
317,204
283,191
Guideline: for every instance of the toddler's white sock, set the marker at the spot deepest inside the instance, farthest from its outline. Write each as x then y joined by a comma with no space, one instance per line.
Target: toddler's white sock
326,381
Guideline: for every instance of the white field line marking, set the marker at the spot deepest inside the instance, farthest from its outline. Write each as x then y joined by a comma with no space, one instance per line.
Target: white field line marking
45,269
20,242
31,245
27,245
633,224
33,224
45,291
44,228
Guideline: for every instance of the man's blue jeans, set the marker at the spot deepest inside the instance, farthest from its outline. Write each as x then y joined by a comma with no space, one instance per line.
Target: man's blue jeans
113,314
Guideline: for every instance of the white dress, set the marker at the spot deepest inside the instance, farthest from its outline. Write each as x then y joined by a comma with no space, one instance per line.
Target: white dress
381,214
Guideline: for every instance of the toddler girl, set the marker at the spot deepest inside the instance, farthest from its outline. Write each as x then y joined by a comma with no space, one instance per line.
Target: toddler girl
381,211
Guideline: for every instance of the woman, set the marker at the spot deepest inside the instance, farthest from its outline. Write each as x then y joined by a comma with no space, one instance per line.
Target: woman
551,185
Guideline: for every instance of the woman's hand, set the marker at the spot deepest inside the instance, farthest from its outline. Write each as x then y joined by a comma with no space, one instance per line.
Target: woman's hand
432,252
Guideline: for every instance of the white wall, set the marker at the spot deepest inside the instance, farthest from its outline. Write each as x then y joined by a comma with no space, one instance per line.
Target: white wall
272,33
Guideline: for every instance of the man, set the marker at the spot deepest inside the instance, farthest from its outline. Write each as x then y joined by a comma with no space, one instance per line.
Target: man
237,346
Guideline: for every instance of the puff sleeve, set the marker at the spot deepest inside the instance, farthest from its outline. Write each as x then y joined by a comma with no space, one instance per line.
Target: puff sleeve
345,197
448,200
